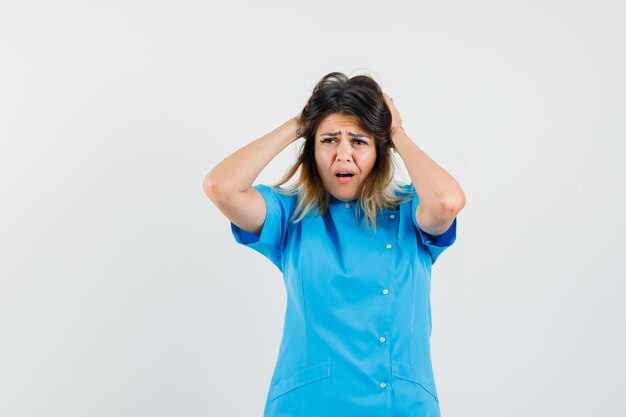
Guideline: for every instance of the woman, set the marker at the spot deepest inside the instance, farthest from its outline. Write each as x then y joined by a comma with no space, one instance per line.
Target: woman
355,249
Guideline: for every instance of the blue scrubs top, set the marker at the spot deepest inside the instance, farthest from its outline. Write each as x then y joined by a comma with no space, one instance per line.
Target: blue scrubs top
356,337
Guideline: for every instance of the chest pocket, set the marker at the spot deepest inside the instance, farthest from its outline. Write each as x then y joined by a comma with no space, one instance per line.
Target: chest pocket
302,394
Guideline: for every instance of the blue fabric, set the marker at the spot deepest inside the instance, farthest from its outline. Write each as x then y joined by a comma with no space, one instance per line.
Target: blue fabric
356,337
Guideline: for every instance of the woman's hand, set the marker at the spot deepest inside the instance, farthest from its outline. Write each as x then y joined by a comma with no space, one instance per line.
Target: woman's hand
396,120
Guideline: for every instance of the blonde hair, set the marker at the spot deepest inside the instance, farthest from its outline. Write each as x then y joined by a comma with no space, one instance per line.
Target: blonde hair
379,192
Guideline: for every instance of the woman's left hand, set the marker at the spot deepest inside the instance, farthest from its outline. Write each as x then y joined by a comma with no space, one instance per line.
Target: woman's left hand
396,120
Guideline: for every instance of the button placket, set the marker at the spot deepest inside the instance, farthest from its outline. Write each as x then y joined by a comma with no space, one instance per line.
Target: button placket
383,339
390,240
385,328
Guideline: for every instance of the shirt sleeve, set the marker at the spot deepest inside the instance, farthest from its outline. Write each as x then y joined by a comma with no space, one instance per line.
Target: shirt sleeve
270,242
435,245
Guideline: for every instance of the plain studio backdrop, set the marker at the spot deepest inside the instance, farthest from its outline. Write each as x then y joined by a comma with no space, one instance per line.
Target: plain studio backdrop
122,290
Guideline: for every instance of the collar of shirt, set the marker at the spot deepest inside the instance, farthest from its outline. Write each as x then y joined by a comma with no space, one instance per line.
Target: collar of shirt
336,204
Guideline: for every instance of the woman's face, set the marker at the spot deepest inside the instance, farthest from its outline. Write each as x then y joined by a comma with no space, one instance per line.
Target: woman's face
344,155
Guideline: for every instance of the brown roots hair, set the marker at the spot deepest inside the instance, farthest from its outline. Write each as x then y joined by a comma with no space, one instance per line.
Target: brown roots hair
359,96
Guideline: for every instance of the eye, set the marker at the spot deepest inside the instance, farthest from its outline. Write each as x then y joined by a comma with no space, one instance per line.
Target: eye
360,142
327,140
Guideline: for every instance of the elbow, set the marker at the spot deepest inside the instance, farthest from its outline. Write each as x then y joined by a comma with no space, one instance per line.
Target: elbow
453,204
219,190
211,187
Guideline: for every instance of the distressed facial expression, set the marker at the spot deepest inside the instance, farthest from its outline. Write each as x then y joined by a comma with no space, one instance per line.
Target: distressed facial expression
344,154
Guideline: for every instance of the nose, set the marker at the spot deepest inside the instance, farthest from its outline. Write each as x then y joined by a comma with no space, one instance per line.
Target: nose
344,152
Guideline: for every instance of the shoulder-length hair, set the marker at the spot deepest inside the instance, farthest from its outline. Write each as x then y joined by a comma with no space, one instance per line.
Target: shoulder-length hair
359,96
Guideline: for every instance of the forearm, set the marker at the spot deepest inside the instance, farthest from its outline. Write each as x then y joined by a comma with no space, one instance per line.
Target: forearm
438,191
237,172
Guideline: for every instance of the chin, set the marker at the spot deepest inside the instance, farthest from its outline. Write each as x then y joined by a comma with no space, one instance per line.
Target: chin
345,195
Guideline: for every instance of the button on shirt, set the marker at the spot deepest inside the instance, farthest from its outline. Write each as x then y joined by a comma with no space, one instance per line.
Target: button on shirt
356,336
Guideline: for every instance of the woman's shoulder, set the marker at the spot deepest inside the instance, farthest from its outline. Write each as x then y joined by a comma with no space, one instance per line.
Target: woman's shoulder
281,192
403,192
283,197
403,188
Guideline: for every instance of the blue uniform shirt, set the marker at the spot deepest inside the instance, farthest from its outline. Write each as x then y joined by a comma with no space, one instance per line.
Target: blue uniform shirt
356,337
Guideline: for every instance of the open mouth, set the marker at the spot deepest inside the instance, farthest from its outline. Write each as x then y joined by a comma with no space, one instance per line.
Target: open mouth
344,177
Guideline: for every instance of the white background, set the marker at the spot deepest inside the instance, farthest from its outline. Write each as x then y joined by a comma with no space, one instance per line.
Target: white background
122,290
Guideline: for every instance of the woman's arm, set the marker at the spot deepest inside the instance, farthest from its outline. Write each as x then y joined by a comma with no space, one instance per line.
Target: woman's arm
441,197
229,184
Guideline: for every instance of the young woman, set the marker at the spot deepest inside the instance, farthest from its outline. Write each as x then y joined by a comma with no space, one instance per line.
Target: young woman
355,249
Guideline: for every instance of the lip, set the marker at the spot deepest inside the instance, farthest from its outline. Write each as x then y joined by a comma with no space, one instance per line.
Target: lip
349,170
344,180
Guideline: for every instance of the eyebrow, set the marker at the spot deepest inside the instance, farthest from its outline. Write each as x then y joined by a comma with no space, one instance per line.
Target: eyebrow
354,135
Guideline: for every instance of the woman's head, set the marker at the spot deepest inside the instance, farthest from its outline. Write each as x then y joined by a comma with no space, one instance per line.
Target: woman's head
345,155
346,126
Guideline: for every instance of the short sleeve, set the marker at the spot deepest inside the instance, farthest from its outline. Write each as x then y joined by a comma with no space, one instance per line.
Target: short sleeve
435,245
270,242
